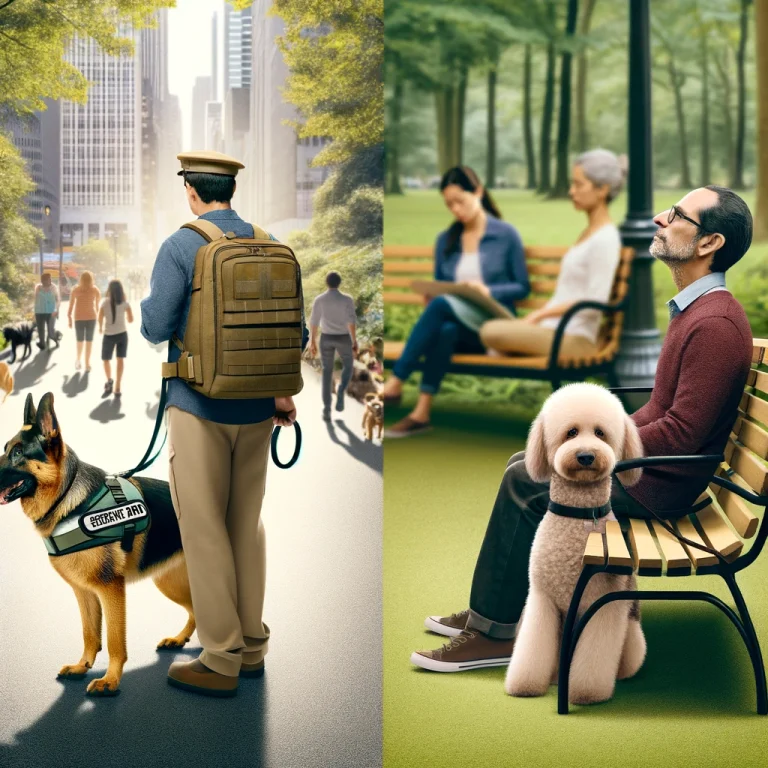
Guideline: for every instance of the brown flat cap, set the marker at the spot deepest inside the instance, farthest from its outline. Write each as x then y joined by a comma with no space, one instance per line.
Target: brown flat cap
206,161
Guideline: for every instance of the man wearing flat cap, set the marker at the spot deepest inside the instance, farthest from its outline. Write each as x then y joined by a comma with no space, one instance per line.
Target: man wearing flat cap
218,453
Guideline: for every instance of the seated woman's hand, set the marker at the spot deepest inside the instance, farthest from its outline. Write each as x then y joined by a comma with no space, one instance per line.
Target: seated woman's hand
478,286
531,318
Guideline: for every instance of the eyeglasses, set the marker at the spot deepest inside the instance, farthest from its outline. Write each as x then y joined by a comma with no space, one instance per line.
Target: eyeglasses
674,212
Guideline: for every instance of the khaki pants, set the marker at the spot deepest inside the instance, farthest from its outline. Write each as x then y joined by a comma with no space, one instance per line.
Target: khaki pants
217,477
518,338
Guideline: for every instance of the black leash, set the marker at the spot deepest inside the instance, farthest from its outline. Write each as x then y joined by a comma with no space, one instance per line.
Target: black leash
296,450
148,460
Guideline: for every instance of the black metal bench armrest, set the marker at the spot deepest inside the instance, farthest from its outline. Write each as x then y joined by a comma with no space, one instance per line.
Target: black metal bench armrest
724,482
655,461
579,306
617,390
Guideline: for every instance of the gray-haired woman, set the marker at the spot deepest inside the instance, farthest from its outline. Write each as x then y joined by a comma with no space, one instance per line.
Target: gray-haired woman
586,273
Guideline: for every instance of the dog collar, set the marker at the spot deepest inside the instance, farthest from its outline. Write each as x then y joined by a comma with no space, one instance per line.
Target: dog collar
580,513
114,512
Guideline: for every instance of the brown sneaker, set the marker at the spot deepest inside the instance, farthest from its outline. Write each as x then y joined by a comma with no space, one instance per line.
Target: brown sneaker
469,650
252,670
407,427
195,676
448,626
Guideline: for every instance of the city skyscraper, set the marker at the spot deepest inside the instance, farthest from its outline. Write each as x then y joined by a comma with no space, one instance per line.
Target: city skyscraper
101,146
201,94
238,47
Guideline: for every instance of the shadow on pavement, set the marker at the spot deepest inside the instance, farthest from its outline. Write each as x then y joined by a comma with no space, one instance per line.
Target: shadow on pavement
74,385
368,452
109,410
32,371
152,409
148,724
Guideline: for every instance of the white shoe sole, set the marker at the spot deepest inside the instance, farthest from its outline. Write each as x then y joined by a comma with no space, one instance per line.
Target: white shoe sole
445,666
432,623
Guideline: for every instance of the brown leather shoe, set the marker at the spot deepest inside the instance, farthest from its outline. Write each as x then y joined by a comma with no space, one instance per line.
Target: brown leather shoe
195,676
252,670
407,427
469,650
449,626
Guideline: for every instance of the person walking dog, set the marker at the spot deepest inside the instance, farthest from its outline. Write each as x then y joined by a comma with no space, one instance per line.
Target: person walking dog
219,448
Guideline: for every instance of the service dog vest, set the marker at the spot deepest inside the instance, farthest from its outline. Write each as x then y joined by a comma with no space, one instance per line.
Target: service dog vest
115,512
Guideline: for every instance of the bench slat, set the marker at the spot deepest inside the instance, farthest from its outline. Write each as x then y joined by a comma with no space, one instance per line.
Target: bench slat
530,303
421,268
543,286
741,516
758,380
544,269
747,465
618,554
402,298
754,407
671,548
646,554
408,252
698,557
717,534
752,435
758,350
594,554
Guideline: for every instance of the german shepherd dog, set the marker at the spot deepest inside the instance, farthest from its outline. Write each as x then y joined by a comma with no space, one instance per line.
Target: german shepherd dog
18,335
41,470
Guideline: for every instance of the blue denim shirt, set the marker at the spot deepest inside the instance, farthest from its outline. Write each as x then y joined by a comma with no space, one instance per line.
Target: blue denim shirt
502,262
165,312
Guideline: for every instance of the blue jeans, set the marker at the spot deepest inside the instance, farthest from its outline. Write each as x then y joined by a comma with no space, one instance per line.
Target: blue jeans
437,335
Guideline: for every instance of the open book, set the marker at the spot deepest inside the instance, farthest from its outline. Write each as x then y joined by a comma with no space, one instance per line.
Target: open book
472,295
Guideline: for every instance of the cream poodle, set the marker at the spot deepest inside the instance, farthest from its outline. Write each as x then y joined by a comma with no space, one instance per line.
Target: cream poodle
575,442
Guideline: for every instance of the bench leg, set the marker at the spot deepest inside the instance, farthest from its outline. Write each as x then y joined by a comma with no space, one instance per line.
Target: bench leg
567,644
753,646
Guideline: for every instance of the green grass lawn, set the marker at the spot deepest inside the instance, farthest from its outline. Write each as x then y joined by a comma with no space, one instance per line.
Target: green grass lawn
693,701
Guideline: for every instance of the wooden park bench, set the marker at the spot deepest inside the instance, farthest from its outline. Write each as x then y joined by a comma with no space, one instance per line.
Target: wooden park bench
406,263
720,520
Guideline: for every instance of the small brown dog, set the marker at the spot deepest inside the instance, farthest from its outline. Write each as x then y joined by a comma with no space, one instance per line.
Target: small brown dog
6,379
373,417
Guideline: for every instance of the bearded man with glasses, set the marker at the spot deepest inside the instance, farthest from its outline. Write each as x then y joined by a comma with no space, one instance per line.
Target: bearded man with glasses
700,379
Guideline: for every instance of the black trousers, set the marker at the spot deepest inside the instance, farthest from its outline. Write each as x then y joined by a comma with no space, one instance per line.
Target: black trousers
500,583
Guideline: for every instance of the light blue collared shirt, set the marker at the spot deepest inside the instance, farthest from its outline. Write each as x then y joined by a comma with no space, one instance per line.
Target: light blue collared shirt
714,281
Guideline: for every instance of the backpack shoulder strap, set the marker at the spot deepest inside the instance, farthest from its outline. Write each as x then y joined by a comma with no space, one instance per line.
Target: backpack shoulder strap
205,228
259,233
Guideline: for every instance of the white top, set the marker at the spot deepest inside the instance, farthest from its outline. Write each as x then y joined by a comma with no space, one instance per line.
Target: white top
468,268
333,311
586,273
110,328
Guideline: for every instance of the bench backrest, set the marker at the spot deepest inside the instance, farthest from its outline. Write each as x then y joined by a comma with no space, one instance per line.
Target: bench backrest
405,263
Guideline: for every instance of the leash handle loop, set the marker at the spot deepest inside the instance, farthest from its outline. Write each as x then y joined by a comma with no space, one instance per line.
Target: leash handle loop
296,451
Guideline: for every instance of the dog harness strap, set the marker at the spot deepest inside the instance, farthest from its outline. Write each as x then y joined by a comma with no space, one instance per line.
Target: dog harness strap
115,489
580,513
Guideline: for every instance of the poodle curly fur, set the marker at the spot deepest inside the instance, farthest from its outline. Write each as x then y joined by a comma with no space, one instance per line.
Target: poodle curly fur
574,442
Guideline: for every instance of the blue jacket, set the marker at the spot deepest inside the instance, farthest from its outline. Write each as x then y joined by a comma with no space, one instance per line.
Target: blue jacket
502,262
165,312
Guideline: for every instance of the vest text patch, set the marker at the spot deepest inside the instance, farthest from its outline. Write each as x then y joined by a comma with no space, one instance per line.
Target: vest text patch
106,518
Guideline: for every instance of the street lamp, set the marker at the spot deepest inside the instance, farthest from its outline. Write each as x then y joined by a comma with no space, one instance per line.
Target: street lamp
47,211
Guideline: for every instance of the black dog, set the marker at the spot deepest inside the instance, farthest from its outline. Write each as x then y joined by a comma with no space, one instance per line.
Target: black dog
19,334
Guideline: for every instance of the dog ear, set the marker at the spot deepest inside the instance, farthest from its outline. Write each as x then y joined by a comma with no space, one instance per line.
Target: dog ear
632,449
30,414
46,418
536,459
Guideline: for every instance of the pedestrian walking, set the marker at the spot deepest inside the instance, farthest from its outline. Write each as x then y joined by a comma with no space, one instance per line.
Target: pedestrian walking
113,314
333,313
83,306
46,310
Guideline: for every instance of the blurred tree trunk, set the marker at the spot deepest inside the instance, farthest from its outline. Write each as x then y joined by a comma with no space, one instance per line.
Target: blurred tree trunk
530,153
725,82
706,167
564,121
393,138
582,135
545,139
490,172
737,182
449,104
676,81
761,49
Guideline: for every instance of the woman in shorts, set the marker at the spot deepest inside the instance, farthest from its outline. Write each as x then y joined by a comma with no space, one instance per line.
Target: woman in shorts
83,305
114,313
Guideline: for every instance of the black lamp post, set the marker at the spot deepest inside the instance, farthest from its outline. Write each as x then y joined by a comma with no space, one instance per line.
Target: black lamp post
47,211
641,340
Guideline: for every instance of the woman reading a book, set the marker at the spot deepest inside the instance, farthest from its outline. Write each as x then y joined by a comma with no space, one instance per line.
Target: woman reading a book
586,273
481,253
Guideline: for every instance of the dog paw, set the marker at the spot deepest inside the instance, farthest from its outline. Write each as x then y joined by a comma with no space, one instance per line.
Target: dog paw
590,696
104,686
524,688
172,642
74,671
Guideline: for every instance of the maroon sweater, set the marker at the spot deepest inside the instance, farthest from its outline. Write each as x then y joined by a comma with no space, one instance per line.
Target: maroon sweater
700,379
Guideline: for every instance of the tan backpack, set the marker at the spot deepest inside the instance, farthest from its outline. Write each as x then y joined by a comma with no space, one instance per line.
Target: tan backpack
246,318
